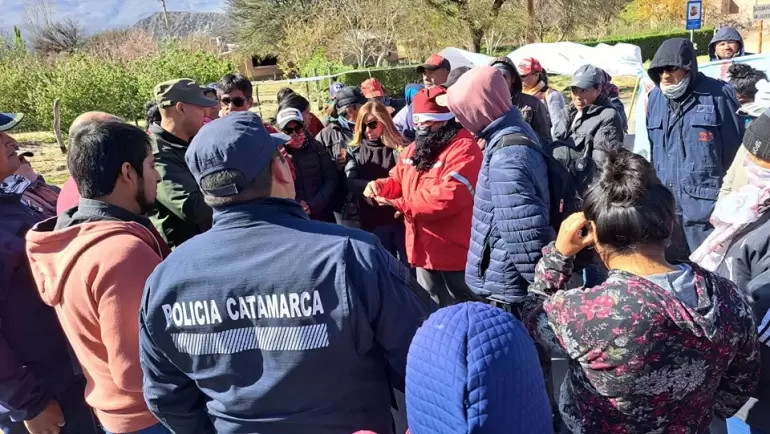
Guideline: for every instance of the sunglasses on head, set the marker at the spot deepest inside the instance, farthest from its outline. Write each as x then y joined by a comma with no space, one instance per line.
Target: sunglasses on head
289,130
238,102
371,125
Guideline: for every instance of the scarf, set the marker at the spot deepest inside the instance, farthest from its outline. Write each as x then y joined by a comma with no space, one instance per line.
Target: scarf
733,213
676,91
298,141
536,91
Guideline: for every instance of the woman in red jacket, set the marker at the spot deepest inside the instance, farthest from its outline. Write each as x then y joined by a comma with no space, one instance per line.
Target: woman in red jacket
433,185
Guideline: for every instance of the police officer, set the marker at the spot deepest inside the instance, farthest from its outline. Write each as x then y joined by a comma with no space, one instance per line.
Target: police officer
271,322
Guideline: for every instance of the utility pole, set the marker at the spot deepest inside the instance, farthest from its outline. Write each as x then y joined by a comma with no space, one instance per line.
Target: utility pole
165,17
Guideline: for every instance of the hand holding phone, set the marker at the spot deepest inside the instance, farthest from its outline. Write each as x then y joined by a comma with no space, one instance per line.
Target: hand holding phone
575,234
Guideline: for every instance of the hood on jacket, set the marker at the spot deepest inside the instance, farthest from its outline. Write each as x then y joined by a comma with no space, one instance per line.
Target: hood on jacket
472,368
53,252
677,52
725,34
410,91
479,97
506,63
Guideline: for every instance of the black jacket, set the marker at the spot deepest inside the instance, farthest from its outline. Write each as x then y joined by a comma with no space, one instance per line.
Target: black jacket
316,178
599,123
366,163
534,112
747,263
334,137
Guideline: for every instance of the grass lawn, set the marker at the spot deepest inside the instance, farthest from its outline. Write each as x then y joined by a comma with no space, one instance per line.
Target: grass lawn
52,163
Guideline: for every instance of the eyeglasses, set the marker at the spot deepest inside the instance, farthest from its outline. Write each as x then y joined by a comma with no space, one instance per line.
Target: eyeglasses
238,102
671,68
289,130
371,125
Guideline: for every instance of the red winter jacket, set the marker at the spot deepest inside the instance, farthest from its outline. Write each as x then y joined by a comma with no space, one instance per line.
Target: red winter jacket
437,204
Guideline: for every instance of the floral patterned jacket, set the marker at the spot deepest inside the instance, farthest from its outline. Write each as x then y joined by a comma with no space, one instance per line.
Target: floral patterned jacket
641,361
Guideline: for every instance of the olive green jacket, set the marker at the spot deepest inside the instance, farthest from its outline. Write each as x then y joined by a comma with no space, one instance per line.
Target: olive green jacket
181,212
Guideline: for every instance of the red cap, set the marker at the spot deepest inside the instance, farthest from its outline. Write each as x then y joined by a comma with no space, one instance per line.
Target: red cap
529,65
372,88
430,105
433,63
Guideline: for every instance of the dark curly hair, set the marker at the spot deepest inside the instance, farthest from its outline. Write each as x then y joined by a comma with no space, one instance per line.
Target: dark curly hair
744,79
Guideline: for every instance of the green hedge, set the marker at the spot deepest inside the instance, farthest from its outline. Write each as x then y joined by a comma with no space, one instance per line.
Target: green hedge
84,82
393,80
650,43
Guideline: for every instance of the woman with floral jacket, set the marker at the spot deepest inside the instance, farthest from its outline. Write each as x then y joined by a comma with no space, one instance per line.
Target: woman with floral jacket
658,347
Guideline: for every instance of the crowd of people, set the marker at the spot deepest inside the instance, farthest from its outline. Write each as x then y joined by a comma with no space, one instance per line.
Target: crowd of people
410,261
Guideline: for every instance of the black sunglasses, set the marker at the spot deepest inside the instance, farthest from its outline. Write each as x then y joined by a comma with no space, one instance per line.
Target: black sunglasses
371,125
289,130
671,68
238,102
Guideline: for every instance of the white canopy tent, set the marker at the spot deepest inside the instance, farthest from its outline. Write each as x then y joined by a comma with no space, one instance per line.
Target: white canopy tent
562,58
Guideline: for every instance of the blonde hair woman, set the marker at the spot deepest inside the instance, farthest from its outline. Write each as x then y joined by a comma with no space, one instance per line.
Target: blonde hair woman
372,153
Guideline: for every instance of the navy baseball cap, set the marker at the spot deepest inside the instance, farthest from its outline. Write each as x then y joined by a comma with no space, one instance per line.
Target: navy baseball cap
9,120
237,141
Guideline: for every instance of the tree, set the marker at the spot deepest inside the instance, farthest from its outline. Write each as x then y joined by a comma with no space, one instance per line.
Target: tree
476,16
65,36
18,41
50,35
564,18
165,17
261,24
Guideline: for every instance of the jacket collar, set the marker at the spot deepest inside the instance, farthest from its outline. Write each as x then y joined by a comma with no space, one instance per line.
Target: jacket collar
14,186
512,118
175,142
268,209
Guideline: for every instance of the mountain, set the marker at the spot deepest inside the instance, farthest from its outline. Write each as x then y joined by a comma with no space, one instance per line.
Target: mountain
99,15
185,24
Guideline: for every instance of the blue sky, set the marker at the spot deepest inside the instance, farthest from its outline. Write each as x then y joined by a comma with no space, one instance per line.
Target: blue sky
97,15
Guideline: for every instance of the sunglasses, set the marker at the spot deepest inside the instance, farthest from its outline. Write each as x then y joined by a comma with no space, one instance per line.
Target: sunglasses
238,102
671,68
371,125
289,130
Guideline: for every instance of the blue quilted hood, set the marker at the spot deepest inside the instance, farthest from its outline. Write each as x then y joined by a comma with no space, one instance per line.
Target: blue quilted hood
472,368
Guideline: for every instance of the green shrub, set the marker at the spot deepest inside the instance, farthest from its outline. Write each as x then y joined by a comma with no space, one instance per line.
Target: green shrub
650,43
175,62
393,80
84,82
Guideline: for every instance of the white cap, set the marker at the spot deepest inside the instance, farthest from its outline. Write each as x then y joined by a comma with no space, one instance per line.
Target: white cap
288,115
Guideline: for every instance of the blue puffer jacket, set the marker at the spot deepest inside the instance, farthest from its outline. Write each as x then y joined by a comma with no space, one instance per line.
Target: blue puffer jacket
510,214
472,368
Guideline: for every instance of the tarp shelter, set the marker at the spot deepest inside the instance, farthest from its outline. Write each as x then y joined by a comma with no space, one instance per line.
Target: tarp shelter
562,58
716,69
458,58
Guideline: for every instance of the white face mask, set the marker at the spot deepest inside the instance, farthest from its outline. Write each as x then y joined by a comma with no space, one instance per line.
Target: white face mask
675,91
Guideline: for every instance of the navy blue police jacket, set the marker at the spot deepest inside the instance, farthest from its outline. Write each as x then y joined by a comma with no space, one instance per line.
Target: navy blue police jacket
273,323
693,141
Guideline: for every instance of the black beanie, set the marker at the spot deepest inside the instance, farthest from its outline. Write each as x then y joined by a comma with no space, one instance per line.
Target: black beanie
757,137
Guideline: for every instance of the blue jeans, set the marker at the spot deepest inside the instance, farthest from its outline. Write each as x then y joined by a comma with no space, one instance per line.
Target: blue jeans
393,238
737,426
155,429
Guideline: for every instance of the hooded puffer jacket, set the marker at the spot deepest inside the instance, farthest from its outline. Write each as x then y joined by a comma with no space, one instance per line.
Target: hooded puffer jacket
725,34
472,368
693,140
